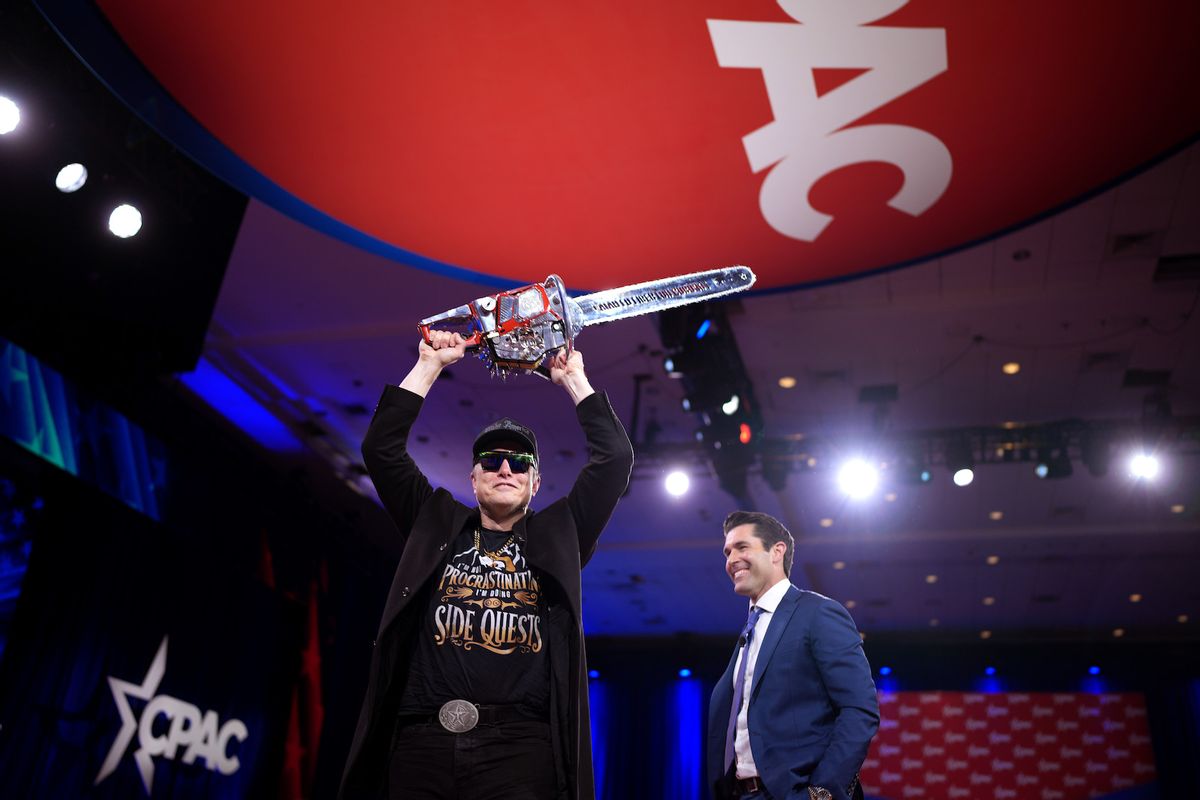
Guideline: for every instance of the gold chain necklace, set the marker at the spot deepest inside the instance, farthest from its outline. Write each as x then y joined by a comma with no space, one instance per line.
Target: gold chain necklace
496,554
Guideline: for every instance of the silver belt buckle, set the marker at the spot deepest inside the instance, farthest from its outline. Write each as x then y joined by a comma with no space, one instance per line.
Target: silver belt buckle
458,716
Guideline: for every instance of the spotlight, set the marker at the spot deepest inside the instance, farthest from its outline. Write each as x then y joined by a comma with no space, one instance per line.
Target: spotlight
677,483
593,673
1054,463
669,367
703,329
686,403
989,671
730,407
1143,467
685,673
1093,670
10,115
885,671
744,433
858,479
911,467
960,461
71,178
125,221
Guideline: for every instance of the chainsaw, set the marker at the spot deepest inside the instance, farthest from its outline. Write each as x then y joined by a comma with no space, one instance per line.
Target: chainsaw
517,329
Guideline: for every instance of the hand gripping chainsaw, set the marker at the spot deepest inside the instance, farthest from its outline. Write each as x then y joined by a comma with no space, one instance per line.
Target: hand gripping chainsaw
517,329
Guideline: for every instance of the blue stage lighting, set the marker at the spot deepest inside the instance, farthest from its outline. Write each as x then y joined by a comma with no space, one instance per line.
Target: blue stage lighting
1093,670
703,329
989,671
885,671
685,673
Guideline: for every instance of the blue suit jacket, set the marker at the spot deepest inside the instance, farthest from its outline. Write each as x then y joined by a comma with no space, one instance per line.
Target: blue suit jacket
813,708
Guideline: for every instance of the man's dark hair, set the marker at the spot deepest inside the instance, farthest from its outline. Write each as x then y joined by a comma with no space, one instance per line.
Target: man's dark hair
770,530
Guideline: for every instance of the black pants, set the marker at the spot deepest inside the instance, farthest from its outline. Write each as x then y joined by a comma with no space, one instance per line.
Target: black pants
503,761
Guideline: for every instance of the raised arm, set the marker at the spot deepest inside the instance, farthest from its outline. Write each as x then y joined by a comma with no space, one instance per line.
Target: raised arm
610,455
400,484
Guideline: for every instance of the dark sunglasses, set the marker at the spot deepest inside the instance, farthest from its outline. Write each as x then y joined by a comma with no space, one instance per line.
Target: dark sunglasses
519,463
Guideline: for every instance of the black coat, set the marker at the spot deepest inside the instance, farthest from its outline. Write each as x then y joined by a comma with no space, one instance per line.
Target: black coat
557,541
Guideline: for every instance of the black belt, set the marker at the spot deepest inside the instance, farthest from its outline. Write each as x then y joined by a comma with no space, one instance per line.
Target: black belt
745,786
488,715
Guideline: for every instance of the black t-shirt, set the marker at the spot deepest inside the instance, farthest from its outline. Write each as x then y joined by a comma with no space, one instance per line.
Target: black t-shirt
484,633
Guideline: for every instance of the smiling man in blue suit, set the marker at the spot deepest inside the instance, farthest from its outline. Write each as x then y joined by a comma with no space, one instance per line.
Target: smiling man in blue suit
794,713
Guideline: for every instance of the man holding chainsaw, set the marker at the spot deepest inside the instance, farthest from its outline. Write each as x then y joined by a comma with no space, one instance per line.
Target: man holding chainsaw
478,678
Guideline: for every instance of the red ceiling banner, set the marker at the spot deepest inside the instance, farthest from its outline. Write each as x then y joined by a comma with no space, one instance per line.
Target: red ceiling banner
965,746
809,139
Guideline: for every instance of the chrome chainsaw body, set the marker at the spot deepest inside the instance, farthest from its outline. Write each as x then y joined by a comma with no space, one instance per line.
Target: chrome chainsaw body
517,329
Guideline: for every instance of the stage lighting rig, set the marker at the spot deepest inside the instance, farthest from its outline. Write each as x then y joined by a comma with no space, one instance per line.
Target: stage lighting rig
703,354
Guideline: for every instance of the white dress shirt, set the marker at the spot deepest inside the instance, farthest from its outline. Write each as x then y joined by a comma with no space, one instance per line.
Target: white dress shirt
741,737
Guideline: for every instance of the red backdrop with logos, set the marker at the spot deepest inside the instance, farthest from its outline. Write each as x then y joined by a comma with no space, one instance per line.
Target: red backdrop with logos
809,139
1050,746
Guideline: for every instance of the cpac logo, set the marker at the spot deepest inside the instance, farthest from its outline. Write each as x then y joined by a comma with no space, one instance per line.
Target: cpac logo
955,791
202,735
811,136
887,724
955,738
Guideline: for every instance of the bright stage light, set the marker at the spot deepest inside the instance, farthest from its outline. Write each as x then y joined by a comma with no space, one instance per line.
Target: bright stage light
10,115
730,408
125,221
858,479
1143,467
71,178
677,483
963,477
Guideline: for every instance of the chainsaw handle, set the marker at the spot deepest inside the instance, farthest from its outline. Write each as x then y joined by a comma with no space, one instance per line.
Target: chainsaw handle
472,342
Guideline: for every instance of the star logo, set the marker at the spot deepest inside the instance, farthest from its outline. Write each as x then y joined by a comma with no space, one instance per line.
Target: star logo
121,692
188,733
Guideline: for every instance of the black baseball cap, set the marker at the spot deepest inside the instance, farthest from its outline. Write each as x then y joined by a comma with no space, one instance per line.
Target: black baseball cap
505,430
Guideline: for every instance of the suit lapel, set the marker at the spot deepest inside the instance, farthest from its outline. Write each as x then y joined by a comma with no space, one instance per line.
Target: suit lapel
779,622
